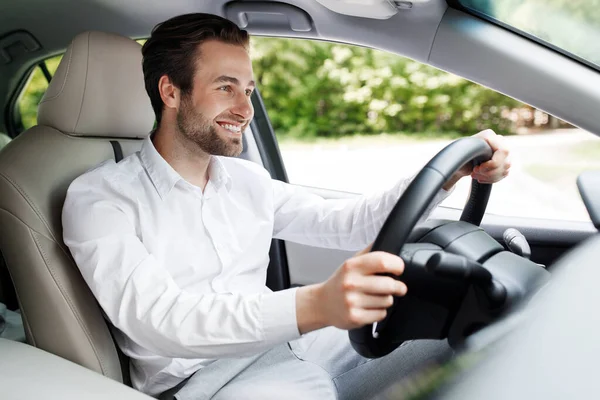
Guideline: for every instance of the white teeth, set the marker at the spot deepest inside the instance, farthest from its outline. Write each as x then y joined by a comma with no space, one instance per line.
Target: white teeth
231,128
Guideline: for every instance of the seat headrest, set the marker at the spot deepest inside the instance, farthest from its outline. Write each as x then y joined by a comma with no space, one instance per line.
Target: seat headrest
98,89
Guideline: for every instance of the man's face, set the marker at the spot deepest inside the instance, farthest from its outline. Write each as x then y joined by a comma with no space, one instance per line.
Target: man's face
218,110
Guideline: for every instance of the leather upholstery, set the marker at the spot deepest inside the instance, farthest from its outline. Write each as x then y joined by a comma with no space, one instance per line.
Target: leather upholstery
97,94
94,93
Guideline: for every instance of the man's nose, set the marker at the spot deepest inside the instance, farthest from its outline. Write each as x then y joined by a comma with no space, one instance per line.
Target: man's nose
243,107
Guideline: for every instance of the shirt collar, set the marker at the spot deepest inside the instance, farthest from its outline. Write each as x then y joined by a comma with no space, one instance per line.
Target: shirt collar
218,174
164,177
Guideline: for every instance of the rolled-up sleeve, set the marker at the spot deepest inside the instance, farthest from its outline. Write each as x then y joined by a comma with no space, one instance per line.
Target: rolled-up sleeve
141,298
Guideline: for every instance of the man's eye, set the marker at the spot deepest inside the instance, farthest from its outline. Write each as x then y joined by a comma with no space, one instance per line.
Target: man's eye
249,92
225,88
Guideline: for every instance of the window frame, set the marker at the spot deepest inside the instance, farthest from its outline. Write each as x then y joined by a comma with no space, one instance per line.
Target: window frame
12,114
456,4
333,192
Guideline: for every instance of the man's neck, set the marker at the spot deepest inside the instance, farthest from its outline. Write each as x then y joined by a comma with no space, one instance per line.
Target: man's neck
184,156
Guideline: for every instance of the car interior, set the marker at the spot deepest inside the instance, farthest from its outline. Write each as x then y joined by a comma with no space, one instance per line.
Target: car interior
96,108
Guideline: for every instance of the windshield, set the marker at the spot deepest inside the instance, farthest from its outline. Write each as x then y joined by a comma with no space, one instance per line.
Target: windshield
571,26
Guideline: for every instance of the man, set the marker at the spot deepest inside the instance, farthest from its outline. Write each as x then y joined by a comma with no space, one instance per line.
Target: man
173,241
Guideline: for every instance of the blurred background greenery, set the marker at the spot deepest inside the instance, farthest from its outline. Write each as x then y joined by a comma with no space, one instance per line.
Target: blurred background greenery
324,89
315,89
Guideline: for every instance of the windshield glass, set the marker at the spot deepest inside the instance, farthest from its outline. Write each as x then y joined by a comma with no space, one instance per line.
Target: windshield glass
571,26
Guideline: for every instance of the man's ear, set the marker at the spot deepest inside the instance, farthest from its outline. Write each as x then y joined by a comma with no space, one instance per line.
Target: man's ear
169,93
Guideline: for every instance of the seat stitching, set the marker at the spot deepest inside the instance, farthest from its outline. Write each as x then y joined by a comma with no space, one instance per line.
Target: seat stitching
33,207
64,81
67,299
37,212
87,68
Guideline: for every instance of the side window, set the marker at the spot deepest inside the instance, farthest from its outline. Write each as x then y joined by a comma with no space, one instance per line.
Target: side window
34,89
353,119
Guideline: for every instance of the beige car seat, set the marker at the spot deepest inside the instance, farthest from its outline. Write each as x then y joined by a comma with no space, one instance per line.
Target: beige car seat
95,102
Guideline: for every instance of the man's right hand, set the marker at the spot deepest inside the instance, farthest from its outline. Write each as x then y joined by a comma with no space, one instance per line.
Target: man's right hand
354,296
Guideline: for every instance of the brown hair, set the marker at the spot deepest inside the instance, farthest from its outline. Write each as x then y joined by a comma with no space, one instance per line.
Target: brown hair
174,45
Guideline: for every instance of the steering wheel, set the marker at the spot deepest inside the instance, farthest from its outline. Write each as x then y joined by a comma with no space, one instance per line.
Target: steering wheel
459,278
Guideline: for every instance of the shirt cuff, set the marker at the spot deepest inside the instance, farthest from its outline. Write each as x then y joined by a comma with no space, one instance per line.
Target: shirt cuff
279,316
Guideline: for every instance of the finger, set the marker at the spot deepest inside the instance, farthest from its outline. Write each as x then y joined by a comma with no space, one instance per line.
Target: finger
376,285
368,301
488,178
485,181
486,133
500,158
500,155
492,173
493,140
486,166
363,317
376,262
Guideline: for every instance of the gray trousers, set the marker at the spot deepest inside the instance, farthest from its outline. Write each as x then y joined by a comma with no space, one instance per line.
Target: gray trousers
319,365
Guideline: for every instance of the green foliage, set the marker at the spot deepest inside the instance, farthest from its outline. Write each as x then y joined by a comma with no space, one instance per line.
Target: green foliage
323,89
326,89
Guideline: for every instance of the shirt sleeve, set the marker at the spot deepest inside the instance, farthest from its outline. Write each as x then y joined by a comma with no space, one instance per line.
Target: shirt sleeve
346,224
141,299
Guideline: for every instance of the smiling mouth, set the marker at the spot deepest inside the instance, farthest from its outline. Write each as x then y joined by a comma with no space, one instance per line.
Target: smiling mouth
231,128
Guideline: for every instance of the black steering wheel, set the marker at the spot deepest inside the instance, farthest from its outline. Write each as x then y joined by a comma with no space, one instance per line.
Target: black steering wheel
459,279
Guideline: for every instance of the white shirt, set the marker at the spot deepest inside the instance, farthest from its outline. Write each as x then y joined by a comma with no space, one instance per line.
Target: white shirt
181,273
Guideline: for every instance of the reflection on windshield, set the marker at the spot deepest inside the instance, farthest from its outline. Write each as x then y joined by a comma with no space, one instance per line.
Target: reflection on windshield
571,25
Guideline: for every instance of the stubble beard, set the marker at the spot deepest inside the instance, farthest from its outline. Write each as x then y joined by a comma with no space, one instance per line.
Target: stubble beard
198,129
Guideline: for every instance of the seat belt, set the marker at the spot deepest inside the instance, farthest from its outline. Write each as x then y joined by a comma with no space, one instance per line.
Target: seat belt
117,149
123,360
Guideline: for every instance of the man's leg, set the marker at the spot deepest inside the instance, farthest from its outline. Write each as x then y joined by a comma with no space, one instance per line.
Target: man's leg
276,374
356,377
280,375
320,365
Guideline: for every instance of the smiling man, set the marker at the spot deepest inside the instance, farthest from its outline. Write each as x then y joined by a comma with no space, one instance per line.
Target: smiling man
174,241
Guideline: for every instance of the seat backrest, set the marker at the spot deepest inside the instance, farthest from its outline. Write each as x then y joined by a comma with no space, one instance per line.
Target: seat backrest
97,95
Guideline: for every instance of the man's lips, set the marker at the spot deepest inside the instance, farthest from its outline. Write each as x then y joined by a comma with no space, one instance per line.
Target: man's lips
232,127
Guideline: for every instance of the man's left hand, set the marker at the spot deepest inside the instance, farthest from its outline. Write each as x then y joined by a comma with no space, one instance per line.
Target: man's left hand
491,171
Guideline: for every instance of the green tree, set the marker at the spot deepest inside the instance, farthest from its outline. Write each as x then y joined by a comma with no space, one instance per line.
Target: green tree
327,89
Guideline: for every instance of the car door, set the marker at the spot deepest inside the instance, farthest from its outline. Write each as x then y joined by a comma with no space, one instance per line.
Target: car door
552,221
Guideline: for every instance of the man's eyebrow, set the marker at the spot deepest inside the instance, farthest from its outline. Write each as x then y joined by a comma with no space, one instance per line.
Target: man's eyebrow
231,79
